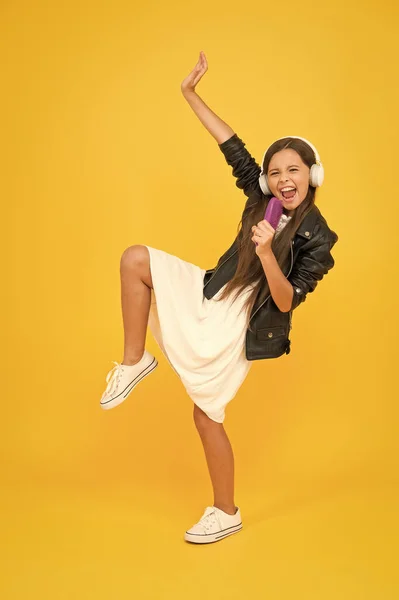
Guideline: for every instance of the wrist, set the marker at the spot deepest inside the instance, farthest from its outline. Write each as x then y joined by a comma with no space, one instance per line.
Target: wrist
187,93
267,255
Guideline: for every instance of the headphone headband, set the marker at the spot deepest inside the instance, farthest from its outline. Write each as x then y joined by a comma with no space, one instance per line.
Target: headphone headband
297,137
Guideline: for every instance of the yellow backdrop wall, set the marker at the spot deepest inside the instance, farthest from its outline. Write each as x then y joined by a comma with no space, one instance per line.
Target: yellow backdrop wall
99,152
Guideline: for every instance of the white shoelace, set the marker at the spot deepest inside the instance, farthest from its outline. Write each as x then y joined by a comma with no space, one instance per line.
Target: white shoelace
208,520
113,378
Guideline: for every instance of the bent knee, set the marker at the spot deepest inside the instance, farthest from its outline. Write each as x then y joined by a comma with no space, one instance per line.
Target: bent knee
136,256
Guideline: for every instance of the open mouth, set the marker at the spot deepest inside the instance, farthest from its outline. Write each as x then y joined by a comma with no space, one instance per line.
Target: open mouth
290,195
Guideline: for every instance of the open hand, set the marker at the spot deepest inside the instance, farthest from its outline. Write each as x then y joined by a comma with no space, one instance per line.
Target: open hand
189,83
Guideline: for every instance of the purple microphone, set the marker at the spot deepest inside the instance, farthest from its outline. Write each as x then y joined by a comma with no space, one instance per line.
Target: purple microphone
273,213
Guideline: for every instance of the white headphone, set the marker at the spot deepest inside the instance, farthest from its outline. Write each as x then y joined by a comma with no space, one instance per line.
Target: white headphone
316,175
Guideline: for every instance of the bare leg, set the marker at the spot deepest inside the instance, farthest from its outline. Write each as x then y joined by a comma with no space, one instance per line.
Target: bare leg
220,460
136,284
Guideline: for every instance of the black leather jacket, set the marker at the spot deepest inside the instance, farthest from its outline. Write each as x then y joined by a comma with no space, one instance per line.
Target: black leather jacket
310,261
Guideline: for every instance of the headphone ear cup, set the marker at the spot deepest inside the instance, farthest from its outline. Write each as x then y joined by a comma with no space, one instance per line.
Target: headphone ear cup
316,176
263,184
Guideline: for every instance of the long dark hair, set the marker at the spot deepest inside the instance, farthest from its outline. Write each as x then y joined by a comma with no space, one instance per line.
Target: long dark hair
249,269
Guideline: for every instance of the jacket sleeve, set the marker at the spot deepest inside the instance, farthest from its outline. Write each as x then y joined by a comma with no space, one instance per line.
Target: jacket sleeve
310,267
245,167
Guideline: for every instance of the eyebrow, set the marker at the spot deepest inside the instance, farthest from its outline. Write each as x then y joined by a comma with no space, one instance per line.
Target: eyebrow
289,167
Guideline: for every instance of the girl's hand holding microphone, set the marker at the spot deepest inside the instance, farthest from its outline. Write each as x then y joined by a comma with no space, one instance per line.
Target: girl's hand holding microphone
263,234
265,230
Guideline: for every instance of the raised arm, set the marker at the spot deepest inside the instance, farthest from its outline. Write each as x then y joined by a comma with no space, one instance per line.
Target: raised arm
245,168
214,124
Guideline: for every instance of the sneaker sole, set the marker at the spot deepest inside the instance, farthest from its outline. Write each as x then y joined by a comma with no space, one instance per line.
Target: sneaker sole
211,537
112,402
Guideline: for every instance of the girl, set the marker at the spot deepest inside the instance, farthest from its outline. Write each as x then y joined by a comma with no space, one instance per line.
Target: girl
209,335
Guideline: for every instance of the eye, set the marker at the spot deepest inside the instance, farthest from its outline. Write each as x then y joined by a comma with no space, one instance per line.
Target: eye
272,174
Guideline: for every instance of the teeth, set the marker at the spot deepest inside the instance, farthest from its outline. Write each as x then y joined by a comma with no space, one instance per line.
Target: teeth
287,189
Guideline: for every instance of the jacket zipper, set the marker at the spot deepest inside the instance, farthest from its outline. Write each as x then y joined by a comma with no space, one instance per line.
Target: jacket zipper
266,299
216,270
292,264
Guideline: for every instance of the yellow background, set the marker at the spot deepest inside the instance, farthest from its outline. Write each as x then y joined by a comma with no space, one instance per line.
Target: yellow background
100,151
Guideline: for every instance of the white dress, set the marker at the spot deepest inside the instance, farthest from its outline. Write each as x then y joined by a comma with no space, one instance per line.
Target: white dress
203,340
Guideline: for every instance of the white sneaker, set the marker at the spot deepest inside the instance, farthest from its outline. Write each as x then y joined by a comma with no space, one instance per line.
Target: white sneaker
213,526
123,378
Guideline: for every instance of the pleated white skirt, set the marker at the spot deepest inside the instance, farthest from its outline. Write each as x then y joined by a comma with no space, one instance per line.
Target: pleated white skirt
203,340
